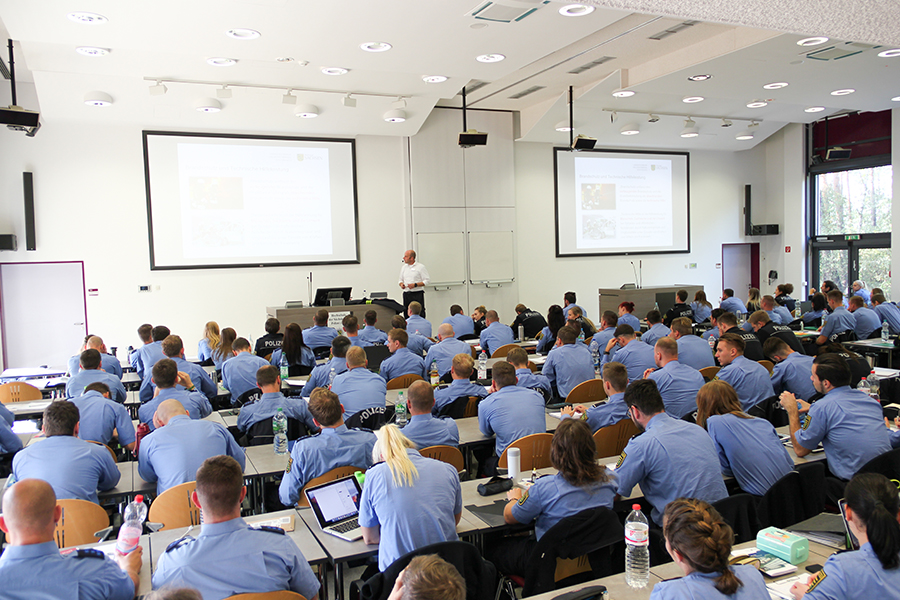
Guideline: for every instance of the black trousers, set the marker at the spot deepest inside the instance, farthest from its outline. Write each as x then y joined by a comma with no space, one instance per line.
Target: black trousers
418,296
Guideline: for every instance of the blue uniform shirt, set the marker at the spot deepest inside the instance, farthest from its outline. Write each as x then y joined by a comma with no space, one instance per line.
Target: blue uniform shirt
637,358
793,375
98,417
204,352
6,415
750,450
462,325
545,344
495,335
267,406
444,351
567,366
220,359
416,323
359,389
9,441
148,355
837,322
810,316
552,499
199,378
411,516
855,575
457,389
784,313
695,352
733,305
702,586
307,358
702,312
172,454
863,293
372,335
867,321
239,373
73,468
526,379
425,430
850,426
671,459
678,385
890,313
76,384
630,319
609,413
419,344
654,333
195,403
749,379
317,454
511,413
108,363
40,571
403,362
319,376
231,558
319,336
359,342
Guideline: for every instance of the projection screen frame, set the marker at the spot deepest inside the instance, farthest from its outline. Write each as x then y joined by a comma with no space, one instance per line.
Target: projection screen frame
687,158
154,267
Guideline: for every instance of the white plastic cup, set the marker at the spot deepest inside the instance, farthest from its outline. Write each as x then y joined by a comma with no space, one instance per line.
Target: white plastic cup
513,462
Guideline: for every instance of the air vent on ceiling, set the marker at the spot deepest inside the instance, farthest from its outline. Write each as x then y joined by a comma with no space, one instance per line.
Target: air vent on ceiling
475,84
673,30
591,64
840,51
524,93
508,11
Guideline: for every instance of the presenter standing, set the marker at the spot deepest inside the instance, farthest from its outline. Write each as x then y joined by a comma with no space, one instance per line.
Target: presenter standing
413,279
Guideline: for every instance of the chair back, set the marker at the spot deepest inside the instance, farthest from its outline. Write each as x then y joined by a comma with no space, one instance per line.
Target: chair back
299,370
248,397
456,409
279,595
535,449
371,418
322,352
260,433
532,367
503,351
812,486
335,473
587,392
739,511
18,391
768,364
612,439
709,373
782,505
448,454
403,381
79,521
888,464
111,453
174,507
771,410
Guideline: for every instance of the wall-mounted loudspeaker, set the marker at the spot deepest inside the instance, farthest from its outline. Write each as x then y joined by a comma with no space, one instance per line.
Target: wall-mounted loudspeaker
8,241
28,187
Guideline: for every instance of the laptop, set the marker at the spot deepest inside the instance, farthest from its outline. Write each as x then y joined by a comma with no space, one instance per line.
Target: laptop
336,506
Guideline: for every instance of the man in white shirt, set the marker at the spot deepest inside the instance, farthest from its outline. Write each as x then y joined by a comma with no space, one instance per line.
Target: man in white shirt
413,279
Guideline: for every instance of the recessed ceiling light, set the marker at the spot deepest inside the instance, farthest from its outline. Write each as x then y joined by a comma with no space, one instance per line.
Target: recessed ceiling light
623,93
375,46
744,135
576,10
890,53
757,104
843,92
98,99
335,70
563,126
775,86
895,99
814,109
208,105
692,99
812,41
699,77
630,129
307,111
395,116
284,59
242,33
92,51
221,61
88,18
434,79
490,58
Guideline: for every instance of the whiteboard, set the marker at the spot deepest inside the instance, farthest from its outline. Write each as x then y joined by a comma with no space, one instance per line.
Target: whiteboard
444,255
491,257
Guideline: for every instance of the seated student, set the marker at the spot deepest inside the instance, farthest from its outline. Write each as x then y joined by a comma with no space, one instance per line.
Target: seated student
692,350
270,342
615,380
839,321
415,323
867,320
447,347
699,541
401,361
793,370
748,448
753,300
370,333
531,321
334,446
580,483
321,375
656,329
239,373
635,355
148,354
478,318
173,348
627,318
569,363
10,443
608,323
713,331
677,383
351,330
555,320
460,371
495,333
701,308
90,373
681,308
576,320
518,358
269,381
75,468
730,303
858,365
224,351
108,362
858,288
462,325
764,328
873,571
208,343
134,356
418,344
358,387
229,557
294,348
409,501
168,379
783,293
771,306
429,577
320,334
887,312
752,346
749,379
659,458
569,301
100,417
819,309
171,454
424,430
32,566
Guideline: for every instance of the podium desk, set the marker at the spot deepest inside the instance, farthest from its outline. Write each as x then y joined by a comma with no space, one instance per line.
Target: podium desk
644,298
304,316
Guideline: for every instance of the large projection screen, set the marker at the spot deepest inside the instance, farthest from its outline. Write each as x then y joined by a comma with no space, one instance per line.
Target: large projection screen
621,202
220,200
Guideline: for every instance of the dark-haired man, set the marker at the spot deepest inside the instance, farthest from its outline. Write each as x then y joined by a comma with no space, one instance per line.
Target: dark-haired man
839,321
692,350
462,324
100,417
731,304
867,320
764,328
173,348
168,379
401,361
727,323
615,380
677,383
635,355
273,339
320,376
415,323
518,358
418,343
90,373
656,329
320,334
681,308
351,330
530,320
509,411
269,382
148,354
423,429
496,334
748,378
568,364
887,312
371,334
239,373
134,357
570,300
793,370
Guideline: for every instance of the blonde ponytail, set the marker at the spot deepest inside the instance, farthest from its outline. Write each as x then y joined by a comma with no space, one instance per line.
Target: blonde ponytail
390,447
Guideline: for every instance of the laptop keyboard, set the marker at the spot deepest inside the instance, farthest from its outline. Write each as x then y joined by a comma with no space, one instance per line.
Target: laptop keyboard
346,526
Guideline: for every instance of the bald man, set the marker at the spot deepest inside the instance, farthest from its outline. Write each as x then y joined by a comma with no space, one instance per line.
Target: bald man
31,565
358,387
172,453
444,351
496,334
108,362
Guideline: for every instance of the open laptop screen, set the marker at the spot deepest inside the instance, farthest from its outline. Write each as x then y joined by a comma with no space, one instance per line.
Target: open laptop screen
335,501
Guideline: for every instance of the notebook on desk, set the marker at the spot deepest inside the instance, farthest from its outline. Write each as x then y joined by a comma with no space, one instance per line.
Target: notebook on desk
336,506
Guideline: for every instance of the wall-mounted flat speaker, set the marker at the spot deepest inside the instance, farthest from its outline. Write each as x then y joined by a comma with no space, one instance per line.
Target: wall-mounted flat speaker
8,241
28,187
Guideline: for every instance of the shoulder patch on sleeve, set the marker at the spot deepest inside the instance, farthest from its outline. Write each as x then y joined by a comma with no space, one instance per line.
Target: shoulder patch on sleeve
621,459
806,423
179,542
270,529
290,463
88,553
522,500
819,578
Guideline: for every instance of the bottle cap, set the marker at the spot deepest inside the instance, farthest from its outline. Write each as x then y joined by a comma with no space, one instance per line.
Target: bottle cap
139,499
635,507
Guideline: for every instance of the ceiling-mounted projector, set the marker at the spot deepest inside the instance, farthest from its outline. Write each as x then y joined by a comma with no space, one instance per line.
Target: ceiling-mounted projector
837,154
17,118
583,142
470,138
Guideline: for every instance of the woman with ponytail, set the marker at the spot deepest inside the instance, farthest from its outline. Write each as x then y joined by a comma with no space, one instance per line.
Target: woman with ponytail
209,342
408,501
873,571
224,351
699,541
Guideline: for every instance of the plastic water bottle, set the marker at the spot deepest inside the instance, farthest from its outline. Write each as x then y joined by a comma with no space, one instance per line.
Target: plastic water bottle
595,356
637,550
279,430
656,306
874,384
482,365
435,376
132,527
863,386
283,367
885,331
331,375
797,311
400,409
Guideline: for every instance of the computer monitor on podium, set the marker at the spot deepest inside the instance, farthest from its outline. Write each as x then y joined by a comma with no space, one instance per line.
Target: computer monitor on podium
327,296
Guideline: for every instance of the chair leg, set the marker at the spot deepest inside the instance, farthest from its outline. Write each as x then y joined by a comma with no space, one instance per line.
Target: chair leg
505,585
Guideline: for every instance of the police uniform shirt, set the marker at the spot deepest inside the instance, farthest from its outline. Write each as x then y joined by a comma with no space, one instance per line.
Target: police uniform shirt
571,305
220,359
444,351
858,574
837,322
867,321
419,344
231,558
98,417
793,375
678,385
199,378
784,313
359,389
319,336
749,379
511,413
609,413
787,302
204,351
195,403
269,343
6,415
567,366
782,332
372,335
462,324
526,379
411,516
630,319
532,322
545,344
416,324
552,499
749,449
403,362
172,454
658,330
40,571
601,339
359,342
134,359
319,376
679,310
752,346
812,315
108,363
267,406
733,305
239,373
671,459
148,355
425,431
863,293
317,454
76,384
890,313
457,389
307,359
712,332
73,468
495,335
850,426
695,352
636,356
9,441
702,312
702,586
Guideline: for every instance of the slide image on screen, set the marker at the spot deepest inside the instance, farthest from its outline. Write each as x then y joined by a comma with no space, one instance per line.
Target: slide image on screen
336,502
